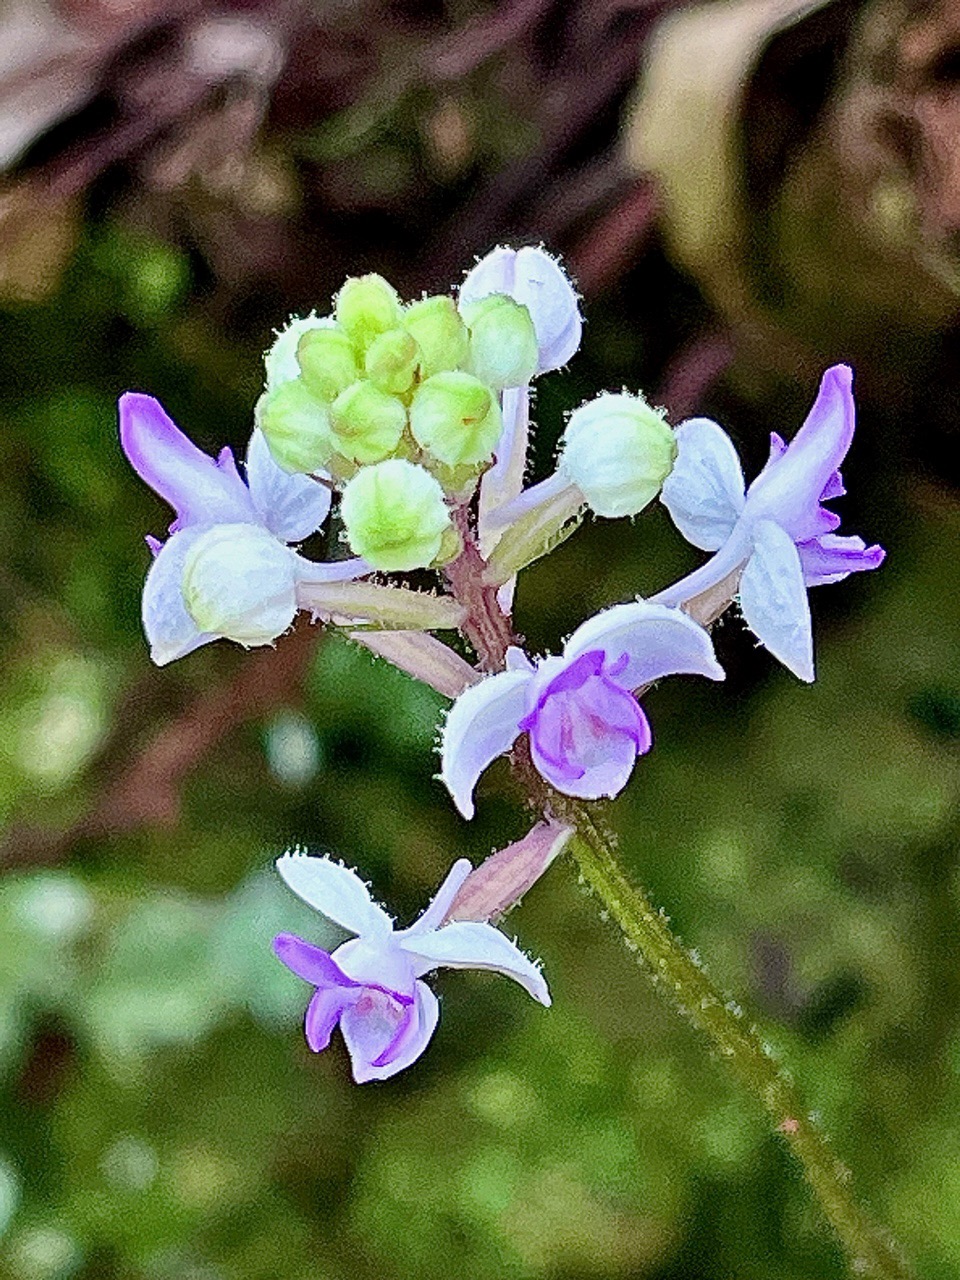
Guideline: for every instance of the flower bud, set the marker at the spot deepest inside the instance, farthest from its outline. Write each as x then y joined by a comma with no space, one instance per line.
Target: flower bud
367,423
280,360
503,342
392,360
618,451
440,334
456,418
327,361
239,582
296,427
395,515
366,306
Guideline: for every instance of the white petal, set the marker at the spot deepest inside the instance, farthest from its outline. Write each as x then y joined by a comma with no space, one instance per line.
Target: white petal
704,492
773,598
335,891
482,724
503,482
292,507
442,900
170,630
426,1017
280,360
468,944
658,640
532,277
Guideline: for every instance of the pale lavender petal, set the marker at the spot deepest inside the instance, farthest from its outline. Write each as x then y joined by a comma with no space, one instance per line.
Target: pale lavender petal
325,571
169,628
789,488
311,963
773,598
658,641
432,917
370,1030
335,891
292,507
323,1014
200,490
468,944
727,560
831,558
704,492
532,277
482,724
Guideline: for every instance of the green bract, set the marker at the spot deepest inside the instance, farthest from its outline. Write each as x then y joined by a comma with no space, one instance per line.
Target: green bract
327,361
366,306
440,334
395,516
296,427
367,423
456,418
503,342
618,451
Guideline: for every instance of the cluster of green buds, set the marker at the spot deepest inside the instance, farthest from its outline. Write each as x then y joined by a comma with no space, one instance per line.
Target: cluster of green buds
398,405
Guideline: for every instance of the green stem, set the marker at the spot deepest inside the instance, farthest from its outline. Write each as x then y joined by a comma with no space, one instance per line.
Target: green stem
870,1249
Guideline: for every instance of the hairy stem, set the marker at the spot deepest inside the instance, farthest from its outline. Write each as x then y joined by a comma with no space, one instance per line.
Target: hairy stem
870,1249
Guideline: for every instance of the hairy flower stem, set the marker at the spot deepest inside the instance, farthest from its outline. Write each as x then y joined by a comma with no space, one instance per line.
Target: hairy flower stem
870,1249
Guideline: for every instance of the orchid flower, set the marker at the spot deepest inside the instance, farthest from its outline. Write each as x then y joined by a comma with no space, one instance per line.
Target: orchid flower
227,569
778,531
372,984
585,725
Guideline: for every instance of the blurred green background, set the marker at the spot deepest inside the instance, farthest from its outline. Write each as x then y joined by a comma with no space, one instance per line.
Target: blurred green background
160,1115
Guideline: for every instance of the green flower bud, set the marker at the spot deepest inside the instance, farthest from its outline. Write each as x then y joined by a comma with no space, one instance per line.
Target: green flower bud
296,427
440,333
618,451
392,360
239,582
280,361
327,361
366,306
367,423
503,342
395,515
456,418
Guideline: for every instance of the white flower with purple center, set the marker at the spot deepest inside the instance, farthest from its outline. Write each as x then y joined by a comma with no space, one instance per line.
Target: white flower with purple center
371,985
586,728
227,569
778,531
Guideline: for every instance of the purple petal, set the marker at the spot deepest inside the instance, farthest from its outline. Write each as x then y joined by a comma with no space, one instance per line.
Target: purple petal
169,628
587,730
658,640
831,558
789,488
704,493
833,488
200,490
375,1028
311,963
468,944
292,507
773,598
483,723
323,1013
335,891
